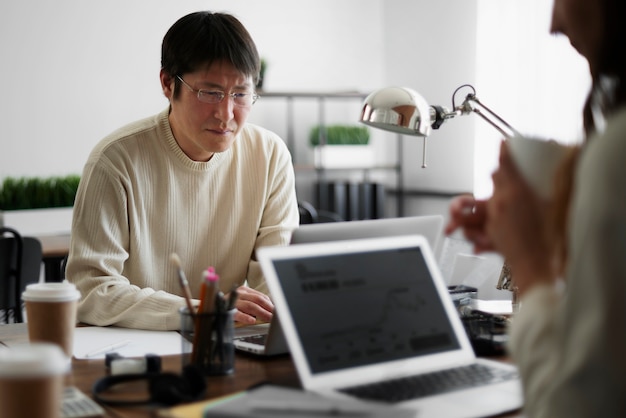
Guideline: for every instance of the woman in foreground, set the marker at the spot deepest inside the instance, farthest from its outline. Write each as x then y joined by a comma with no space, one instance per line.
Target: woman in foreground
568,255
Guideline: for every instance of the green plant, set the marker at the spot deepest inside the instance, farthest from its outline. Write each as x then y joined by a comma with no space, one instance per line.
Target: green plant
36,192
340,135
262,70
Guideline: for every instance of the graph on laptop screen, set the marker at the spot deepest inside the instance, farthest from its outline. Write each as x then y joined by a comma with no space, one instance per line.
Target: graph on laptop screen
365,307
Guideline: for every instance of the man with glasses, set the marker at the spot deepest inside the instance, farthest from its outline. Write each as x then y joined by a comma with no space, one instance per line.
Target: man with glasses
195,180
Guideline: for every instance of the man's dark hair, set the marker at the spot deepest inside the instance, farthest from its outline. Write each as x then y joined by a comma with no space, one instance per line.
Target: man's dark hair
198,39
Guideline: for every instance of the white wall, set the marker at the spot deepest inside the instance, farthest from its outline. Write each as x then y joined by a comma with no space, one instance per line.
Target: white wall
430,46
74,70
533,79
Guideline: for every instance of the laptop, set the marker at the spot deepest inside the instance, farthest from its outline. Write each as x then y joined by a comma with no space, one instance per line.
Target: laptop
361,315
430,226
254,340
261,339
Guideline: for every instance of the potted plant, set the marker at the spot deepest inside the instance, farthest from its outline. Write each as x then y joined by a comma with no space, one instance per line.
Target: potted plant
44,204
259,84
341,146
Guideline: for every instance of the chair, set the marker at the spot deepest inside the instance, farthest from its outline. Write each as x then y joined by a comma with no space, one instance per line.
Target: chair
20,265
310,215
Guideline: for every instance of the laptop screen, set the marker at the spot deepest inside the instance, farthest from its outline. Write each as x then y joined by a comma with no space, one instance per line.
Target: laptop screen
430,226
363,308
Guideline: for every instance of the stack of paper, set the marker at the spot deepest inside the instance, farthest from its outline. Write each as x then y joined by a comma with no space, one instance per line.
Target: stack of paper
95,342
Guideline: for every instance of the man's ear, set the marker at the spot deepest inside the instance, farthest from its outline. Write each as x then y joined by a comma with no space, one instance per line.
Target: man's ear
167,84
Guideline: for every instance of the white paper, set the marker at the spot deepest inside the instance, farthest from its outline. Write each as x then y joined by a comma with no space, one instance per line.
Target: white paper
468,269
496,307
450,247
138,343
481,272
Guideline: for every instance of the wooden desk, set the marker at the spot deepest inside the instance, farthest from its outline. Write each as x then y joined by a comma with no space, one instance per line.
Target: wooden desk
54,249
249,370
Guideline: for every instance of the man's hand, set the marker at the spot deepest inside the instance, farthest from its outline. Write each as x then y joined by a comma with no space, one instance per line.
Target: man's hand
253,306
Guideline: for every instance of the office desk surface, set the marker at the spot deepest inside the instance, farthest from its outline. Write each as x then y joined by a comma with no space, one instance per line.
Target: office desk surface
249,371
55,245
54,249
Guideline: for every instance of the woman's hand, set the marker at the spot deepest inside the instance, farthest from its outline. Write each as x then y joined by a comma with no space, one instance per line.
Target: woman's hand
252,306
470,215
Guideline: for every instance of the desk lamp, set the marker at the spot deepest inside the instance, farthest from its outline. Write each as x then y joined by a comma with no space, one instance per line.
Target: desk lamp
404,111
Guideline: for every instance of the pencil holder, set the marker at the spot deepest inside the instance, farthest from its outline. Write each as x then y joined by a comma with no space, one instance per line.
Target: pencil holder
207,341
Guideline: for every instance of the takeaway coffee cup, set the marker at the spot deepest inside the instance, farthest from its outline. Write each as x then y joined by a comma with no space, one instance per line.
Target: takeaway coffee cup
31,381
51,313
537,160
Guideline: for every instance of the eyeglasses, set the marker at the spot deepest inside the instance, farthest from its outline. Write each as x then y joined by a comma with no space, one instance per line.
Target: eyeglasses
216,96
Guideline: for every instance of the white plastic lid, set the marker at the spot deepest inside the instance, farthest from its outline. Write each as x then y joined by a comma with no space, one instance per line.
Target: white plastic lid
51,292
35,359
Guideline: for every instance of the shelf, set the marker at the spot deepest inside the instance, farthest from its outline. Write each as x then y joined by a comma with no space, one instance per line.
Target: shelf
320,172
311,167
313,95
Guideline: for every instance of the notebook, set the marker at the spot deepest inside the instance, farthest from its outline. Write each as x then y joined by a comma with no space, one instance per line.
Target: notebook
261,339
359,314
430,226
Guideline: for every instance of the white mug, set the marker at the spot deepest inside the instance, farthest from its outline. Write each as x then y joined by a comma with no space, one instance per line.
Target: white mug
537,160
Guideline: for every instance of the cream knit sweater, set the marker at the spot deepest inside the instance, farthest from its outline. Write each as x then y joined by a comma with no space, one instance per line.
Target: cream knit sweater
141,198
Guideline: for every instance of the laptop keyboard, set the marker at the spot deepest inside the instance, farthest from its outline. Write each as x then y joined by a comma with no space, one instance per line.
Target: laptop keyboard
255,339
78,405
413,387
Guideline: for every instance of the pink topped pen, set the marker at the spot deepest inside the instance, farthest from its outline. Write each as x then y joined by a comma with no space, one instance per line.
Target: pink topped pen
209,284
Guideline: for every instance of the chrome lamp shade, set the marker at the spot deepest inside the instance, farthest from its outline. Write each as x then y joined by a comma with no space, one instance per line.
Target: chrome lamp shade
397,109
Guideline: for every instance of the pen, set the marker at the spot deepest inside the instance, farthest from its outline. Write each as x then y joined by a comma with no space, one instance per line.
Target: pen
175,259
203,326
232,299
107,348
209,291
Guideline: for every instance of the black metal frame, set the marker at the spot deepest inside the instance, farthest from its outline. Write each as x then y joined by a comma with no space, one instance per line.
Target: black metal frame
14,273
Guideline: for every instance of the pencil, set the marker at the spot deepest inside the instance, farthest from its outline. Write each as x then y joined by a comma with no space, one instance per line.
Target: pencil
108,348
175,259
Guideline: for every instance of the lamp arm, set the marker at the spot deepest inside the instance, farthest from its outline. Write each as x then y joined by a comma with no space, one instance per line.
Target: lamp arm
471,104
488,115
